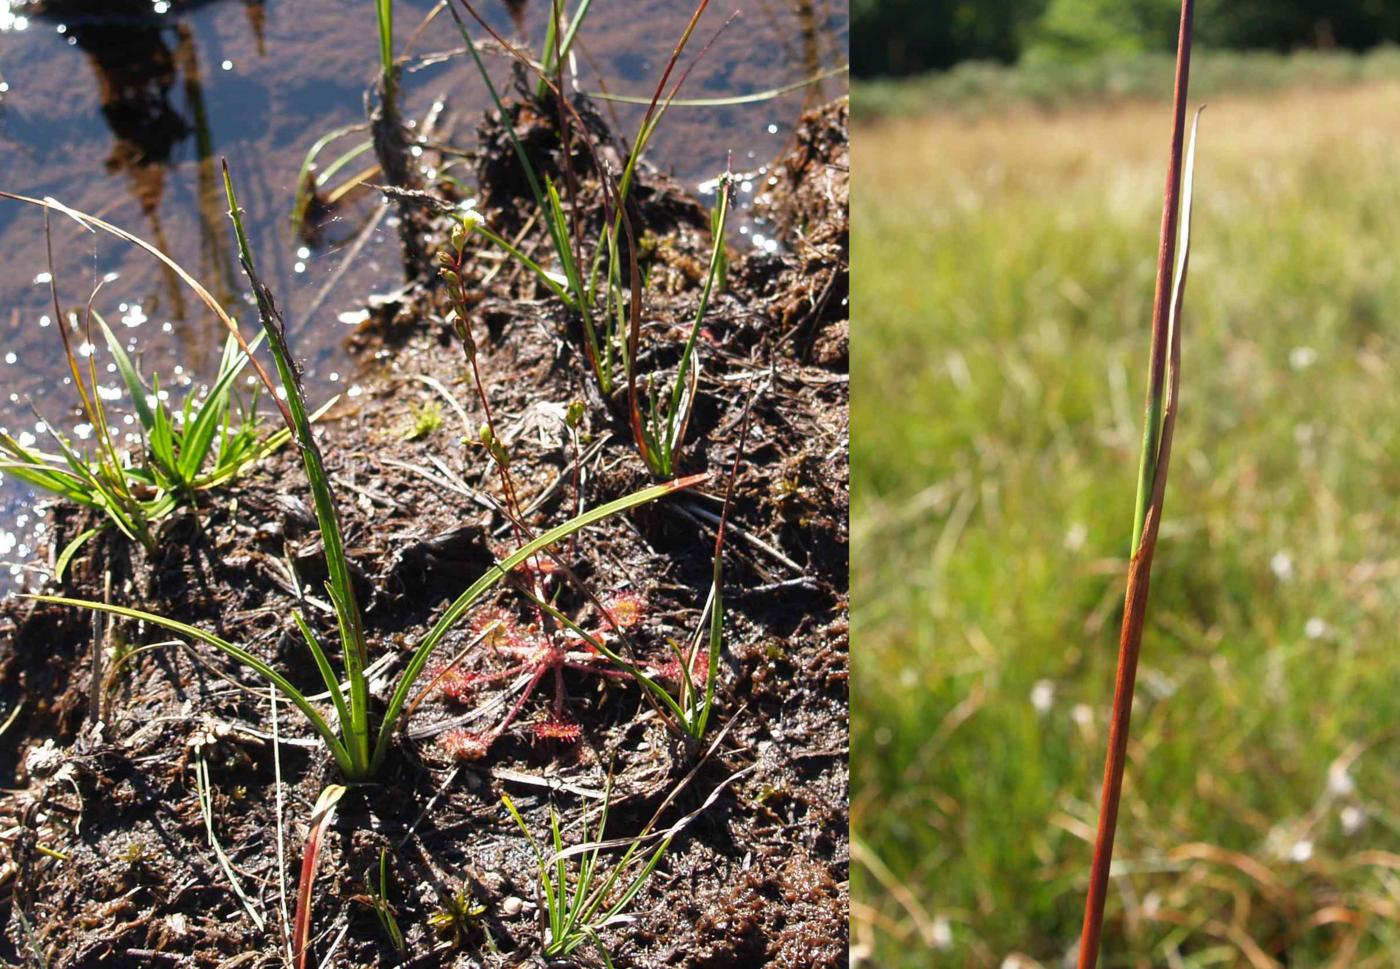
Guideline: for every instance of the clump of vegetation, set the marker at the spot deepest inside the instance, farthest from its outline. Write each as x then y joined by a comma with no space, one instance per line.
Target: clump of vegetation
577,901
529,645
208,440
600,281
454,919
357,747
426,419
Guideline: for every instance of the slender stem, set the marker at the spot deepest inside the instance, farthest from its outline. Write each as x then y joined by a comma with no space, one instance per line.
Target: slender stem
1161,299
512,501
578,488
1147,515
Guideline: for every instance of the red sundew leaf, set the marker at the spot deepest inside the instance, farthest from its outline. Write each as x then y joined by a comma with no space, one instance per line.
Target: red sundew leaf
507,626
699,670
565,730
585,645
626,609
457,684
465,744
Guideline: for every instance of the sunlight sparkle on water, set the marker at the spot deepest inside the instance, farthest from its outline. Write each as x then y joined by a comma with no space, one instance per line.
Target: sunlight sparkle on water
133,315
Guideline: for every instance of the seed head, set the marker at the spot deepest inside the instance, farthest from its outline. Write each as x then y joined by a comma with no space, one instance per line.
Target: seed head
574,415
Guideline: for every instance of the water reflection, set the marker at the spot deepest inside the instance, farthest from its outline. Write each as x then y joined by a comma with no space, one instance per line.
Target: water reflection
517,10
810,44
140,52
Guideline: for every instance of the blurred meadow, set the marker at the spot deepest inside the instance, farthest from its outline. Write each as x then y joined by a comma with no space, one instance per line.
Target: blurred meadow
1003,283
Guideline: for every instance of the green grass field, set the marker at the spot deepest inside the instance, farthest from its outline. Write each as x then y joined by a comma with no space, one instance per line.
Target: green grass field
980,87
1004,272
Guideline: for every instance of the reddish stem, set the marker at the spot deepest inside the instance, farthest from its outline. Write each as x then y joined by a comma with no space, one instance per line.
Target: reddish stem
1140,568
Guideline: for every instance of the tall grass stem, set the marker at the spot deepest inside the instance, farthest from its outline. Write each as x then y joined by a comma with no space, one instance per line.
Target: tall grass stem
1156,453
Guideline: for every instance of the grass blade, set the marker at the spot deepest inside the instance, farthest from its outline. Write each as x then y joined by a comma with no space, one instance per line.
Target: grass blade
135,387
340,584
69,550
199,433
318,722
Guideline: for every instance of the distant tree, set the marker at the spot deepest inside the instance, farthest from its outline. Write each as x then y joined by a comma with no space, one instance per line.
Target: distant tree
895,37
1271,24
1079,28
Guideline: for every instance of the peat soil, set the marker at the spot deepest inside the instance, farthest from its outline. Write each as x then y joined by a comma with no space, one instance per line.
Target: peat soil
107,856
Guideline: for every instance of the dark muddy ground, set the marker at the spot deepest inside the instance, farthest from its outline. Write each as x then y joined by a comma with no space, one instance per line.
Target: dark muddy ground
108,861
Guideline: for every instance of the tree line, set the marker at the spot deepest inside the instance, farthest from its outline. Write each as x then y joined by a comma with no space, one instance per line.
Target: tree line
900,37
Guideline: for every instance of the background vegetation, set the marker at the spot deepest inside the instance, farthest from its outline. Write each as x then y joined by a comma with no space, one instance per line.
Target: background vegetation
1004,282
901,37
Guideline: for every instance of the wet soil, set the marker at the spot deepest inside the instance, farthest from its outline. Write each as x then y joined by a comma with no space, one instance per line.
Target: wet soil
108,861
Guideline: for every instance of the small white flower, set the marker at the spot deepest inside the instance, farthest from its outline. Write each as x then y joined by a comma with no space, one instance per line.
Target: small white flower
1043,696
942,935
1301,850
1315,628
1301,358
1282,564
1339,781
1353,819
